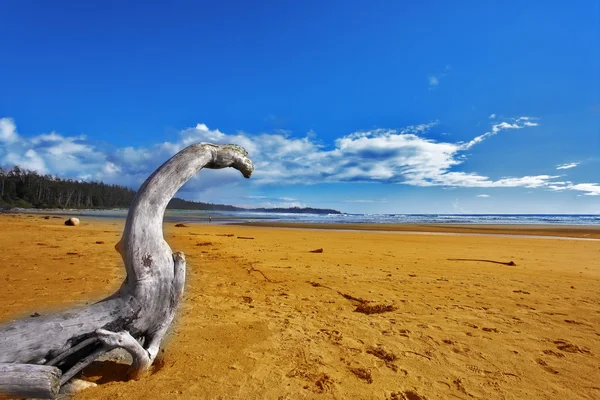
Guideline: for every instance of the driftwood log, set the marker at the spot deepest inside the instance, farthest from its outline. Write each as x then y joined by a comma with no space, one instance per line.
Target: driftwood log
39,354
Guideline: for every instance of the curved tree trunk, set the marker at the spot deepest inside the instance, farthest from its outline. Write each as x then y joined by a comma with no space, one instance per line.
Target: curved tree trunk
138,315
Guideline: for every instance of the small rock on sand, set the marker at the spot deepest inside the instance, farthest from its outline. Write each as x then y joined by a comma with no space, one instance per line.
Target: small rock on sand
72,222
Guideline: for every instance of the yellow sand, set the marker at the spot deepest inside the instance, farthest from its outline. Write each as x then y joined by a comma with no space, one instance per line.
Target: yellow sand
265,318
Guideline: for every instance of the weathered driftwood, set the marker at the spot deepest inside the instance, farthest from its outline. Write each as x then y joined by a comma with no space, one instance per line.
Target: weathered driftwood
138,315
29,380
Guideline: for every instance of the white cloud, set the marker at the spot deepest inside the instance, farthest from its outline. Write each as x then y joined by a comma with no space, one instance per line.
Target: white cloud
434,79
111,168
492,116
30,160
495,129
483,195
590,189
8,130
366,201
567,166
272,202
400,156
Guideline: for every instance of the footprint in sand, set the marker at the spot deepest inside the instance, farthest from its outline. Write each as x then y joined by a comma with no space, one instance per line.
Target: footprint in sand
495,330
406,395
571,321
553,353
546,367
564,345
525,306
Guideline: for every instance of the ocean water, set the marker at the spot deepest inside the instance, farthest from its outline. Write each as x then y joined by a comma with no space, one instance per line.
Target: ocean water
240,216
526,219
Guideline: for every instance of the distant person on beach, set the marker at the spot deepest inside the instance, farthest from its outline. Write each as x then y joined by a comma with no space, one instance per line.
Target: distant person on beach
209,219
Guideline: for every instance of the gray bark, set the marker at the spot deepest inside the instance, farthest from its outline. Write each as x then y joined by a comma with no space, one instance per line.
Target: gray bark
143,308
28,380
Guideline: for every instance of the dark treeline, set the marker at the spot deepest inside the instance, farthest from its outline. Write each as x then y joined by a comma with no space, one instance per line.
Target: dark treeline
298,210
27,189
181,204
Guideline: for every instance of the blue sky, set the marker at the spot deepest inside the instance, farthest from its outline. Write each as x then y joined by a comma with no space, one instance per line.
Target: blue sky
362,106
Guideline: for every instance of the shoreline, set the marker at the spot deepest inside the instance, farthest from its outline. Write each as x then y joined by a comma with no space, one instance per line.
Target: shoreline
546,230
582,232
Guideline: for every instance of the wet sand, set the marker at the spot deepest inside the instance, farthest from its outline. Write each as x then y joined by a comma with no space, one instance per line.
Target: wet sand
265,318
576,231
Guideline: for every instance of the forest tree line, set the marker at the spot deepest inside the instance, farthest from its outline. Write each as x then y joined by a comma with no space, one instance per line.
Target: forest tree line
28,189
20,188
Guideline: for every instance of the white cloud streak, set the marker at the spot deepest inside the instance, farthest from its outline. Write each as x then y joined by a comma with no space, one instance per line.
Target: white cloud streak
567,166
383,155
433,80
483,196
369,201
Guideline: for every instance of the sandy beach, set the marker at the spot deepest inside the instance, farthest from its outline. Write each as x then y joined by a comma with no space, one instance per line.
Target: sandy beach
373,316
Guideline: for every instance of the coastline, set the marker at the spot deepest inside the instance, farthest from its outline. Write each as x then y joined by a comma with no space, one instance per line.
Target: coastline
265,221
572,231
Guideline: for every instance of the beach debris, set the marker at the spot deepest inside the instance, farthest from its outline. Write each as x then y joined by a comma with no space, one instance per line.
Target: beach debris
316,251
352,298
252,269
521,291
72,253
369,309
363,373
245,237
247,299
181,226
46,217
204,244
509,263
35,364
29,380
99,242
72,222
226,234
